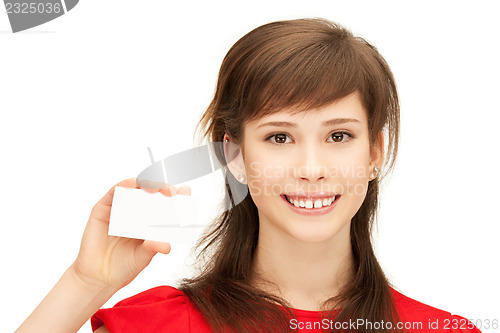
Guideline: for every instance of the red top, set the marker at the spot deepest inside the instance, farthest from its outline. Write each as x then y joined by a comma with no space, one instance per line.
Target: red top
167,309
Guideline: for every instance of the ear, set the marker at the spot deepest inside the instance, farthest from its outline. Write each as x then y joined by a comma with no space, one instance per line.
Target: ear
377,152
234,158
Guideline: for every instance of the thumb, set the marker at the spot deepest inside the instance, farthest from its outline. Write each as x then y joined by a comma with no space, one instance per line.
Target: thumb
156,246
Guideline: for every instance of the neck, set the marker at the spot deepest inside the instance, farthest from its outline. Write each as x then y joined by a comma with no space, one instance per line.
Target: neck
305,274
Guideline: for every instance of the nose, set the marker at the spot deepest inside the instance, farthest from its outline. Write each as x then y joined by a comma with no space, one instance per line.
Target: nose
311,163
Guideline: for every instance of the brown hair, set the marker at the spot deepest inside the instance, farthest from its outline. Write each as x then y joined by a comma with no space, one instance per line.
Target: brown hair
299,64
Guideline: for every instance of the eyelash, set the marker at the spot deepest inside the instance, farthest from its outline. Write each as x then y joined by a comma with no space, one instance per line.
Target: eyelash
280,144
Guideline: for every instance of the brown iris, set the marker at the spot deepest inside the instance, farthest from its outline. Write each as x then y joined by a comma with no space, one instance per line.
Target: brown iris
338,135
282,136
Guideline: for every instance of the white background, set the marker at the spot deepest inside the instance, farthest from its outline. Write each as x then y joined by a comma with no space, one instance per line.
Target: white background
82,97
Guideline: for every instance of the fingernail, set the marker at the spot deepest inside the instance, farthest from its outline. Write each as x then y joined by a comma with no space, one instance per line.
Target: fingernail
173,190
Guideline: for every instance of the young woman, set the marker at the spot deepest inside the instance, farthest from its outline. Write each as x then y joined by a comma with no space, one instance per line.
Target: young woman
309,107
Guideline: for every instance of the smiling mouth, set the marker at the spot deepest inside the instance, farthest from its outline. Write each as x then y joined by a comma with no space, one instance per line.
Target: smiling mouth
311,204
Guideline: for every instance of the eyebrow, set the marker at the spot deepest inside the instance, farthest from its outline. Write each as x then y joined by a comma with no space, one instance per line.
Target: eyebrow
330,122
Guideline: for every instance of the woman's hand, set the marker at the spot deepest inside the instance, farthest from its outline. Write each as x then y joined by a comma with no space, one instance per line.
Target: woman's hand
111,261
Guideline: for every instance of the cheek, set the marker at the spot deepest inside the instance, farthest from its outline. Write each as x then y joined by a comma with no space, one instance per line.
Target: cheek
353,174
265,177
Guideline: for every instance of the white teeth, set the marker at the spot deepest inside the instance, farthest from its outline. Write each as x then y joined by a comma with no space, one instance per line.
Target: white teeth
308,204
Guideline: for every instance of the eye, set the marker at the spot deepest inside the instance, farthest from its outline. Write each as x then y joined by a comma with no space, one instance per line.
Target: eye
280,138
340,135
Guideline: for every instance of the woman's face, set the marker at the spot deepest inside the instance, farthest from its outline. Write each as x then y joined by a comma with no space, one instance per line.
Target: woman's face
323,152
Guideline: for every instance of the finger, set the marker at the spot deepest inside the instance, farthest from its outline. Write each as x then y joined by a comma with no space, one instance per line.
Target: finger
184,190
130,182
152,185
150,190
170,191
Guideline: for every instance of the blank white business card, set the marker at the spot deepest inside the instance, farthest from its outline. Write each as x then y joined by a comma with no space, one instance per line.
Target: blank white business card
136,213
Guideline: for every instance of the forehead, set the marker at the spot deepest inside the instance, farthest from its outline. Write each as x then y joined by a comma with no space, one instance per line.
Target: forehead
345,110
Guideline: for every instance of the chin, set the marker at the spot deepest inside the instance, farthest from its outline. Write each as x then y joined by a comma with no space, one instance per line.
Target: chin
319,233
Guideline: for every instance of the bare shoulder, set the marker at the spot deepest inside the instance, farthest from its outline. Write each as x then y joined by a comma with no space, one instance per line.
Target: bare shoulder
101,329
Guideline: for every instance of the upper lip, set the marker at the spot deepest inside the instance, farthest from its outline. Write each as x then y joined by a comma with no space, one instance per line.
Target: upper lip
309,195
